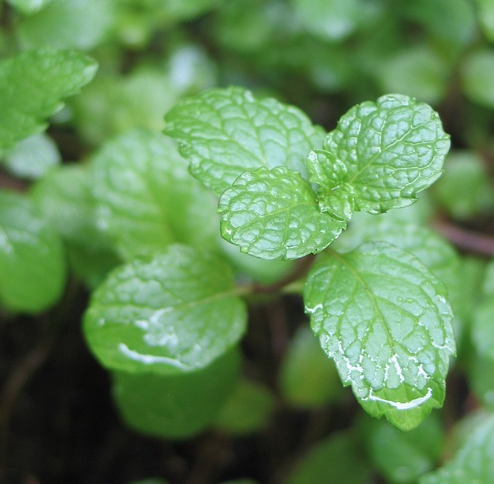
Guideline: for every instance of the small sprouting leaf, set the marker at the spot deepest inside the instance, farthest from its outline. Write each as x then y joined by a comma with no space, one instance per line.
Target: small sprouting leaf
379,156
32,260
171,313
385,321
274,213
226,132
32,86
473,463
145,197
176,406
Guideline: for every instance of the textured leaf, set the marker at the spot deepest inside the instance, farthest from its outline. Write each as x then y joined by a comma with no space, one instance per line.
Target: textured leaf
385,321
379,157
32,260
32,86
68,24
176,406
274,213
335,459
403,457
226,132
473,463
173,313
146,199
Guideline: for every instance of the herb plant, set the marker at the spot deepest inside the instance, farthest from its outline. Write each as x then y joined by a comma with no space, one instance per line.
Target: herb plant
237,253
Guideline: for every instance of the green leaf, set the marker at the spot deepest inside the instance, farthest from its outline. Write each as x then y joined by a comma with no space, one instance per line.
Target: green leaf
480,379
385,321
404,457
379,157
465,190
171,313
32,86
274,213
68,24
335,459
247,410
483,328
486,17
32,157
473,463
307,378
226,132
329,19
477,69
29,6
176,406
146,199
32,260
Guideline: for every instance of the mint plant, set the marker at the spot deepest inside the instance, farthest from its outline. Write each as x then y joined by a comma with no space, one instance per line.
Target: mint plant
239,285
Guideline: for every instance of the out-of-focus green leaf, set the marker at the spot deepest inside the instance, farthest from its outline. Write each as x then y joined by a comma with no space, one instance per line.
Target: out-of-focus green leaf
32,260
32,157
477,72
472,463
247,410
29,6
68,24
32,86
336,459
307,377
176,406
404,457
464,189
145,197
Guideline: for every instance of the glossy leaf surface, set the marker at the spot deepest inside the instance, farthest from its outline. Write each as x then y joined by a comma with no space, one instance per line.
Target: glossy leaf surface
379,157
172,313
384,319
226,132
274,213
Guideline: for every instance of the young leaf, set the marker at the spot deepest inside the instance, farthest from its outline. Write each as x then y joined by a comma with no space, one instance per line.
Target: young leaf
274,213
171,313
145,197
32,260
473,463
385,321
32,86
379,157
226,132
176,406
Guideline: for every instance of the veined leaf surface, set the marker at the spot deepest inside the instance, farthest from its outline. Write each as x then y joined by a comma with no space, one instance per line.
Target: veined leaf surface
385,321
